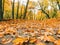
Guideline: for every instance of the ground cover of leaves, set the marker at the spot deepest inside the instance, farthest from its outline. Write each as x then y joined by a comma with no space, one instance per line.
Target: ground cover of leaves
30,32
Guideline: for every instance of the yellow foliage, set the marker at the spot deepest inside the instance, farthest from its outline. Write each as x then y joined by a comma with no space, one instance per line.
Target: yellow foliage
19,40
58,14
7,5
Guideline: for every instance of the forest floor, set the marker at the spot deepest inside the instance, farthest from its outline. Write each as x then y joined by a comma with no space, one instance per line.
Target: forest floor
30,32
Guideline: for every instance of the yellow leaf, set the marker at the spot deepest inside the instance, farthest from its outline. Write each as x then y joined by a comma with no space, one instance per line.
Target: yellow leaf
18,40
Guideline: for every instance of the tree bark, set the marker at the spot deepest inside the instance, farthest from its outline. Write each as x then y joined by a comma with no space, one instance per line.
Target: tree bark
3,6
1,10
58,4
47,15
17,10
13,9
21,13
26,9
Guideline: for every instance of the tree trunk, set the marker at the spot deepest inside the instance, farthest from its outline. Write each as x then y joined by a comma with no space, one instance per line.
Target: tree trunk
26,9
13,9
58,4
1,10
17,10
3,6
20,13
47,15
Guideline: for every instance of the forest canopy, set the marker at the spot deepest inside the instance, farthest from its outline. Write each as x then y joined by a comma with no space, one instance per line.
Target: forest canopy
29,9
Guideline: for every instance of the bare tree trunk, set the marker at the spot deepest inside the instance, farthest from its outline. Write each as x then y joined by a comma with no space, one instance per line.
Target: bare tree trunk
3,6
47,15
1,10
20,13
17,10
58,4
26,9
13,9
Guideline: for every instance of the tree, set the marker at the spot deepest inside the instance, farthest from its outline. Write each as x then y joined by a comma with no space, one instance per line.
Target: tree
26,9
17,10
3,6
43,5
13,9
30,15
20,13
7,8
1,10
54,4
58,3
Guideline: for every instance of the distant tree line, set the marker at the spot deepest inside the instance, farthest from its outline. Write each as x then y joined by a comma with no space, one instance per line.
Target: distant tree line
43,6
